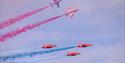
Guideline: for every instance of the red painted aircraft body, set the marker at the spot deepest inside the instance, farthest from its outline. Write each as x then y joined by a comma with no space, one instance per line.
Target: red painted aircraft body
48,46
71,12
72,53
83,45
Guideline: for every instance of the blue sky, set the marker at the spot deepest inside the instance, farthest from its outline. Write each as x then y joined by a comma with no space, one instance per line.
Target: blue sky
100,22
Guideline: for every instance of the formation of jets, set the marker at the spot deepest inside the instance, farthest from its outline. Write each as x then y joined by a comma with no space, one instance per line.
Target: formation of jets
72,53
70,12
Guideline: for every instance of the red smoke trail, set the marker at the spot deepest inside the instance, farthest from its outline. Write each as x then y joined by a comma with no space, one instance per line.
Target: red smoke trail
20,17
26,28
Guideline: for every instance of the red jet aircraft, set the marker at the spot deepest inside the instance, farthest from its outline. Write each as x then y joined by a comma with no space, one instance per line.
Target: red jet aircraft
72,53
71,12
83,45
56,2
48,46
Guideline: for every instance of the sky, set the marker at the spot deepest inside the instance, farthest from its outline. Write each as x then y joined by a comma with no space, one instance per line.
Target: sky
99,22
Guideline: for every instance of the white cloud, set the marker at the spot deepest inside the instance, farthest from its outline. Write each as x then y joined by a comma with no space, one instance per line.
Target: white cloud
100,12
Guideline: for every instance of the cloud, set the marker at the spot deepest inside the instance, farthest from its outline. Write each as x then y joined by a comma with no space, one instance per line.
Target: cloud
104,12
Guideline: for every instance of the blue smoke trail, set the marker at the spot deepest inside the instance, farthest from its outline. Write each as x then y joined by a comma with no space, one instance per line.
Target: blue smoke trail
30,54
39,60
